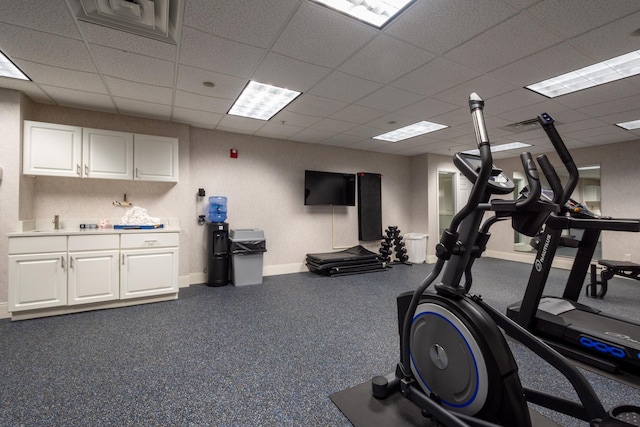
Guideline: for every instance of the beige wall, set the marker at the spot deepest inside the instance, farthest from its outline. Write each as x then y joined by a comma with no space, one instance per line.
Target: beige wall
264,186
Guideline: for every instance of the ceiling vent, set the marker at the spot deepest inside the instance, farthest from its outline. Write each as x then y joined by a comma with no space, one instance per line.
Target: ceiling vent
523,126
157,19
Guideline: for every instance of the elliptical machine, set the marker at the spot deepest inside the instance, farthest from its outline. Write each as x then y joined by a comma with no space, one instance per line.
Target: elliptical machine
455,363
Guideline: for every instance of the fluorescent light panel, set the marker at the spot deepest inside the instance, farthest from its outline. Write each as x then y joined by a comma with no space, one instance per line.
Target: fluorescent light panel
8,69
373,12
410,131
634,124
262,101
603,72
501,147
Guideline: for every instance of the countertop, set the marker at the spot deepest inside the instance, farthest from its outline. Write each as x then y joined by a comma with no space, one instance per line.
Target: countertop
82,231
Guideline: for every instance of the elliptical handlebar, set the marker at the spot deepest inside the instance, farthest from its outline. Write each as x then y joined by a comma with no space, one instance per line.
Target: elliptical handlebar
533,179
552,177
549,127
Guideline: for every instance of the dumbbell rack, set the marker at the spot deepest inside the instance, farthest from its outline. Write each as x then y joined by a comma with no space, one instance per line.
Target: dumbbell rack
393,236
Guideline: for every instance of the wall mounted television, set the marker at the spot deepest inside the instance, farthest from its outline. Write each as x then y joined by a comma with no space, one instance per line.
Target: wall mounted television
329,188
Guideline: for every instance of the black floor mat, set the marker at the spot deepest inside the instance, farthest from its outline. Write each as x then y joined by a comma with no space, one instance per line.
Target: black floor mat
362,409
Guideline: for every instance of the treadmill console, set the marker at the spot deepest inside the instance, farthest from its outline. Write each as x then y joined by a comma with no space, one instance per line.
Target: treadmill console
469,165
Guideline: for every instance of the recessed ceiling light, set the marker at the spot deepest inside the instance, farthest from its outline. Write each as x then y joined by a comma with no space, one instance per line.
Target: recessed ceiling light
9,69
373,12
410,131
208,84
603,72
501,147
634,124
262,101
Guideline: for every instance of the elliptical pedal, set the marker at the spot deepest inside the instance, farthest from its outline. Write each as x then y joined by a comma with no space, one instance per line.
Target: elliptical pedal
625,415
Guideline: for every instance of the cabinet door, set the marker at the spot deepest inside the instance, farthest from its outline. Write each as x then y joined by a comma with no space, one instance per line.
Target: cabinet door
107,154
93,277
145,272
155,158
51,149
37,281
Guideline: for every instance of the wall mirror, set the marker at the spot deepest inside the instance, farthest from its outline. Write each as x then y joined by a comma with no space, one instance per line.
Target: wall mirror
587,192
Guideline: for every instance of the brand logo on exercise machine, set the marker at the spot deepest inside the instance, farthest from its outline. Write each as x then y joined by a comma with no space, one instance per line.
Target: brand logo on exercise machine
622,337
543,254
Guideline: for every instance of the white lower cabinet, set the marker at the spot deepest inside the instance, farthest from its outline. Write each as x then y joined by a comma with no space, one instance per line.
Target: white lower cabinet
93,269
82,272
149,264
37,281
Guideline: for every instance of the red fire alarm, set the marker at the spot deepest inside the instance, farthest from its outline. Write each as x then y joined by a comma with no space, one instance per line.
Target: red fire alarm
233,153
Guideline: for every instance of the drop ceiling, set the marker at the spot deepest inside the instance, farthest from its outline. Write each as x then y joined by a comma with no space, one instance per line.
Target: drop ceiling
356,81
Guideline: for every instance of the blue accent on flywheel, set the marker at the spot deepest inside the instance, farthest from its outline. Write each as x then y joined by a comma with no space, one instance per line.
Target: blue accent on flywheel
475,365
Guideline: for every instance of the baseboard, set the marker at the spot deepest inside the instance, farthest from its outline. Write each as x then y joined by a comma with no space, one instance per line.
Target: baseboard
4,310
273,270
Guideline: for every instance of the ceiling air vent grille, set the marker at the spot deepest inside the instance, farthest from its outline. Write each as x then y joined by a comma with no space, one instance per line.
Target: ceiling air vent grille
157,19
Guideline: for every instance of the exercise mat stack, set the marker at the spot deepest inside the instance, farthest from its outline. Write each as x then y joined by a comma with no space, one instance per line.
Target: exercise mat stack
354,260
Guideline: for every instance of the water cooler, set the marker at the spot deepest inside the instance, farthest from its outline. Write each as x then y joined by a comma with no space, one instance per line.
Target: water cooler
217,242
217,253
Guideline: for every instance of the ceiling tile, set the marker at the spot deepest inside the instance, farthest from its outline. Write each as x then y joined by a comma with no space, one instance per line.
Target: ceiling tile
127,42
295,119
440,25
278,130
598,94
336,126
425,109
45,48
240,124
486,86
140,91
133,67
80,99
311,135
190,79
143,109
28,88
312,105
203,50
63,77
543,65
629,103
281,71
197,118
231,19
203,103
320,36
344,87
389,98
489,51
357,114
610,40
42,15
434,77
385,59
562,17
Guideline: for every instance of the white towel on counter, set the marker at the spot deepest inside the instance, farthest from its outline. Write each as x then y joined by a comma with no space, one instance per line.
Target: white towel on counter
138,216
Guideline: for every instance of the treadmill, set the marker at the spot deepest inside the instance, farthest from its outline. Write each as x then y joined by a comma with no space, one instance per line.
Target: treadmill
576,330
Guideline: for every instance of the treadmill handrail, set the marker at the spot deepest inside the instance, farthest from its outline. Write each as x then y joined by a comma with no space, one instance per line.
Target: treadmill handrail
605,224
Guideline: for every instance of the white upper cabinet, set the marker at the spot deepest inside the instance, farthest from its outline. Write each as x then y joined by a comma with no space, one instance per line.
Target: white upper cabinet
52,149
60,150
156,158
107,154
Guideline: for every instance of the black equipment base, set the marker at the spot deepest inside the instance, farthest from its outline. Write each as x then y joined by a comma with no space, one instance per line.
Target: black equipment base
362,409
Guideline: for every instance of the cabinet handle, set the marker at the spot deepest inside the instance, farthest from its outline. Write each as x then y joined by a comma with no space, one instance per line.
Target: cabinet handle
86,170
136,172
151,241
122,259
78,169
71,262
62,262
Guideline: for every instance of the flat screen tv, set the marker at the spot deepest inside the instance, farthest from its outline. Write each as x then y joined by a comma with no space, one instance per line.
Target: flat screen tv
329,188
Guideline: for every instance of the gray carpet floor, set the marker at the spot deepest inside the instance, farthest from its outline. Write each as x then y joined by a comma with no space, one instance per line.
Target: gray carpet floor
259,355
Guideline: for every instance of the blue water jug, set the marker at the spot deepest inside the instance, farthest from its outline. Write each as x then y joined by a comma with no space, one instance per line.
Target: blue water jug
217,208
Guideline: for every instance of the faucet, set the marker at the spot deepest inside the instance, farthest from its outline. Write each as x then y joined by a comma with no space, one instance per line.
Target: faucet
56,222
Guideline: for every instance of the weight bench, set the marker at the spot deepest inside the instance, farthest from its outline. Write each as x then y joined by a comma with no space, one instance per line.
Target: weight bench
610,269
